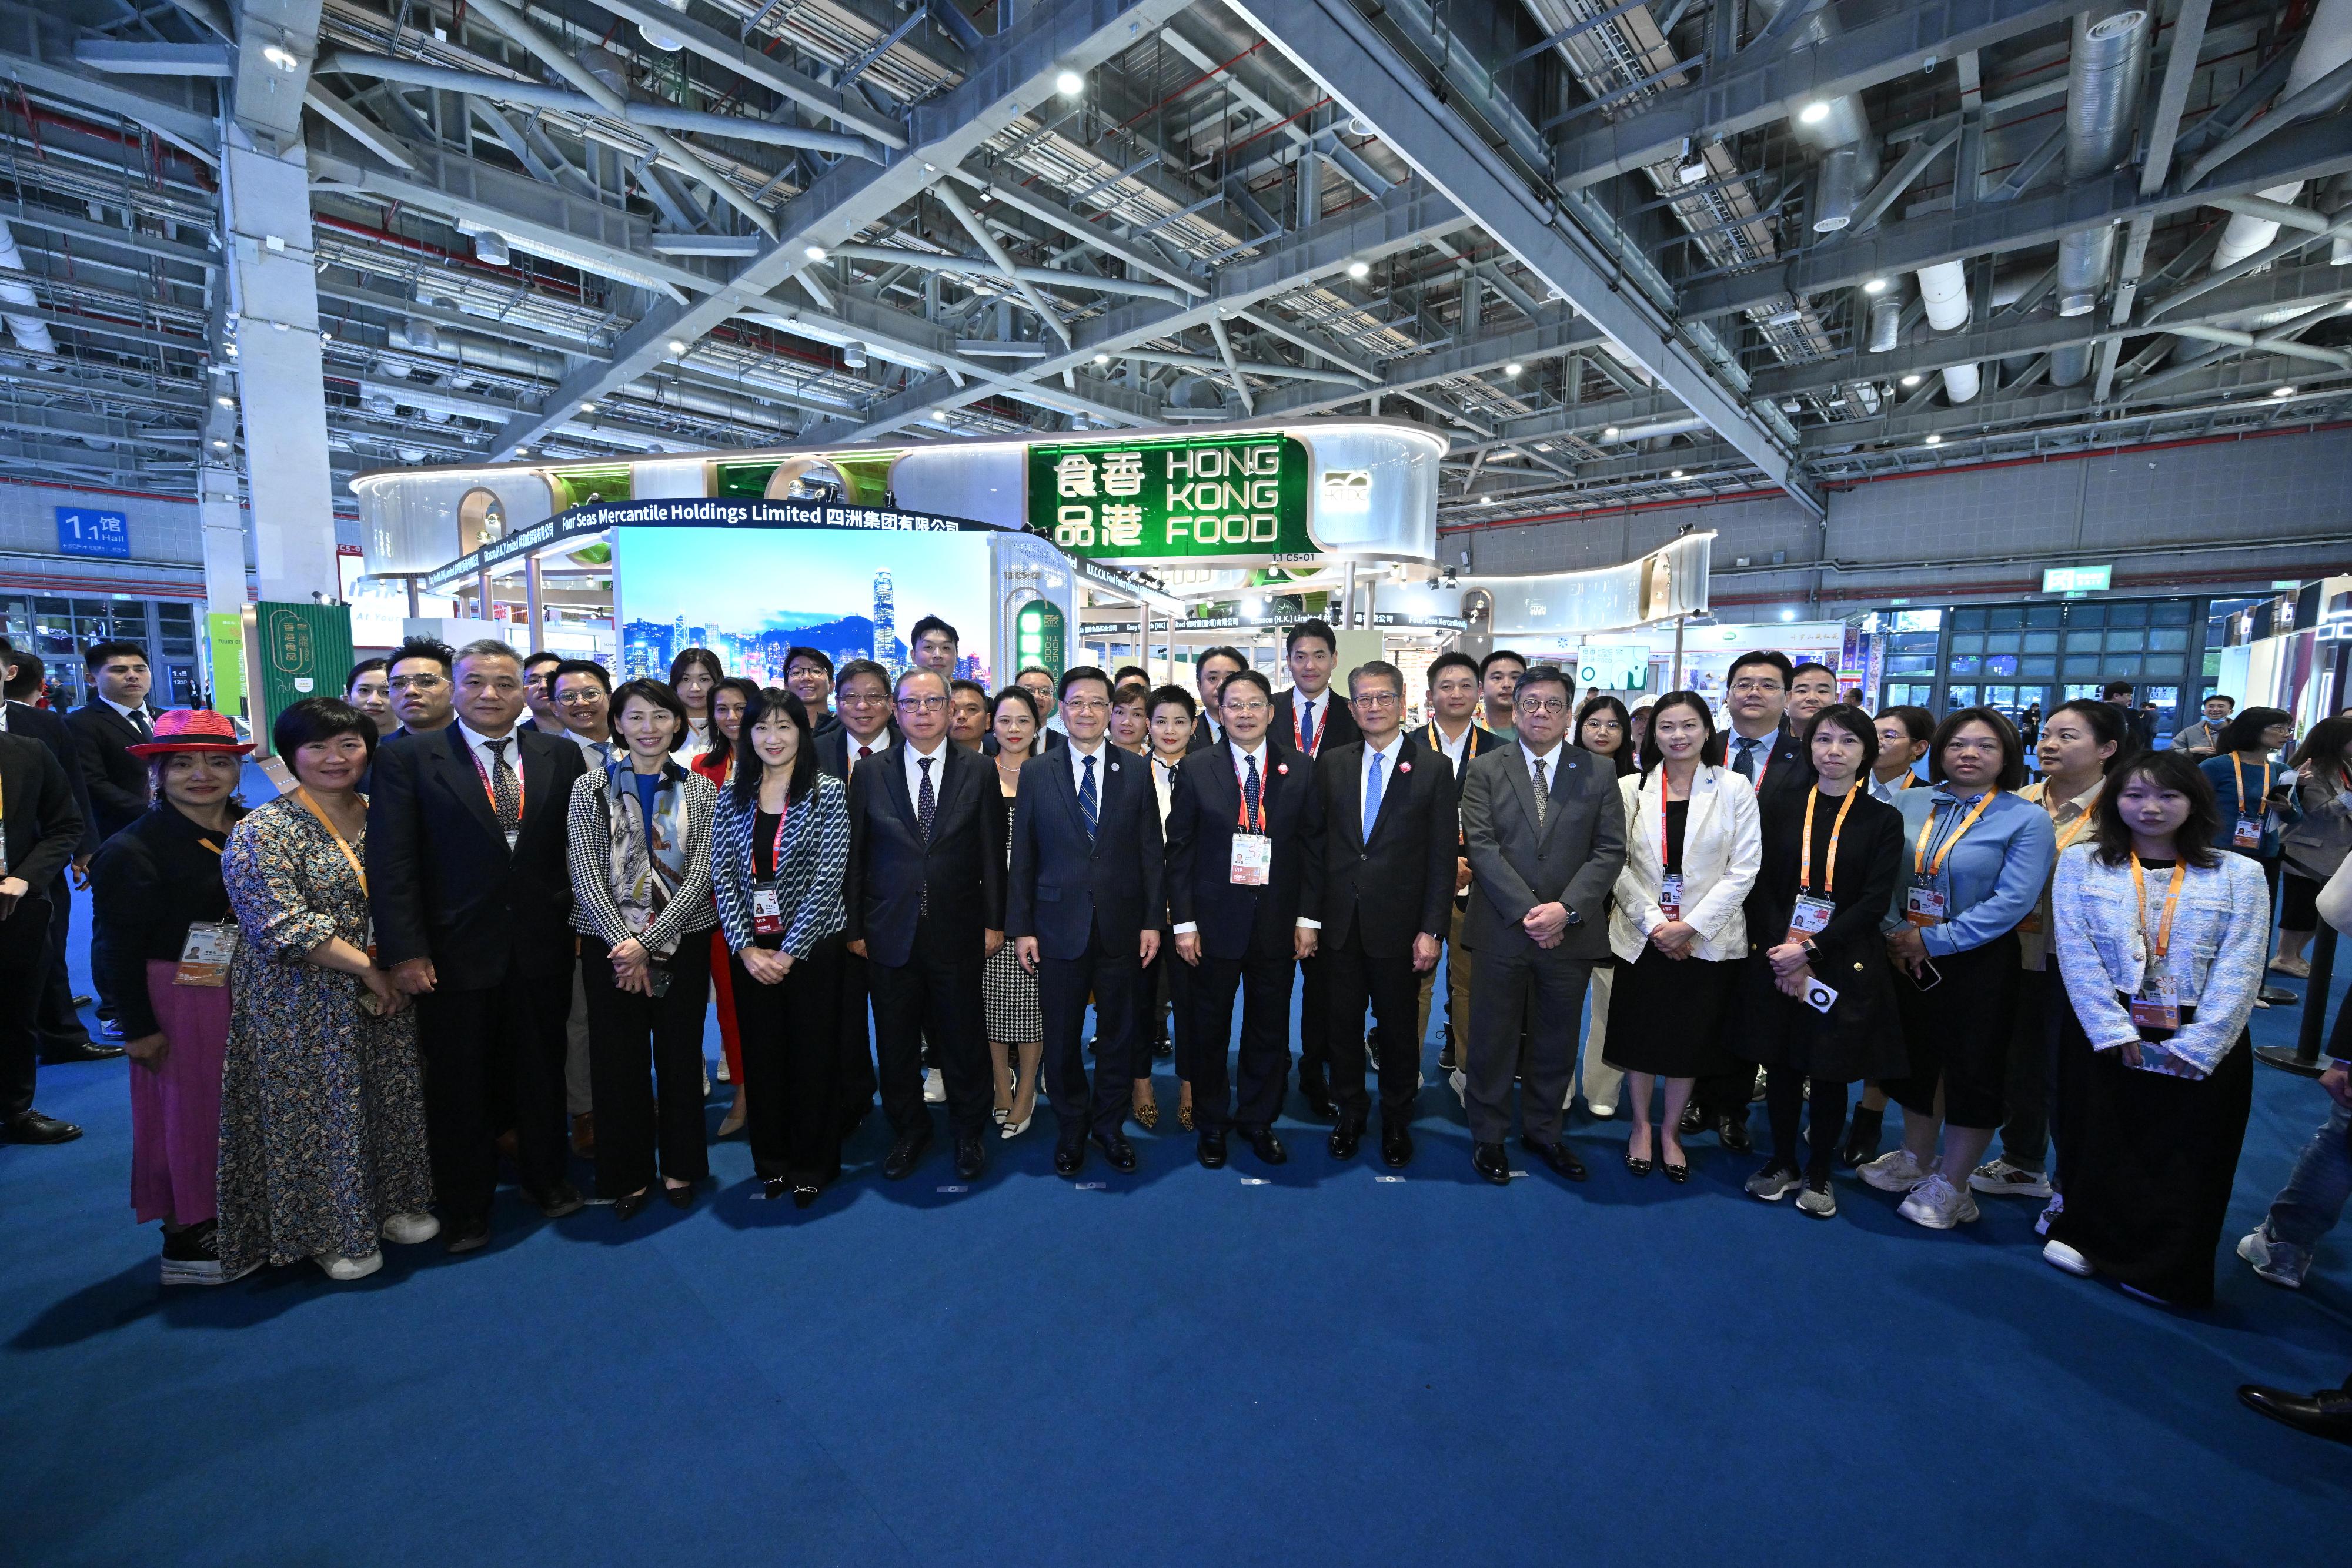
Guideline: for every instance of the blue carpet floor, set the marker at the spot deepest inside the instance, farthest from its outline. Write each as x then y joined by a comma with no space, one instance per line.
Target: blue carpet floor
1325,1366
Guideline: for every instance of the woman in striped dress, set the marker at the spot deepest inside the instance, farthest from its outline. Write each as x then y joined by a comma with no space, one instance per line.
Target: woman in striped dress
1016,1027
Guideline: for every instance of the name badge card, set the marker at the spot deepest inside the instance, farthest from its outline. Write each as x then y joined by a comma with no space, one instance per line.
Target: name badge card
2156,1005
1923,903
767,910
1810,916
1253,862
2248,833
1670,895
205,956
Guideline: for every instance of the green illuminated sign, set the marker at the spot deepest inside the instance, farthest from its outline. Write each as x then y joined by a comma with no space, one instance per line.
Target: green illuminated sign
1039,637
2077,579
1235,498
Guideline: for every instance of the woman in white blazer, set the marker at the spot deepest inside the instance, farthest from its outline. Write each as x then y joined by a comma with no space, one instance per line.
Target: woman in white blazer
1693,846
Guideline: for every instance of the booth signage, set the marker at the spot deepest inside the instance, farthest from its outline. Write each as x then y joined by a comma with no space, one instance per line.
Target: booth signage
690,512
1230,497
82,531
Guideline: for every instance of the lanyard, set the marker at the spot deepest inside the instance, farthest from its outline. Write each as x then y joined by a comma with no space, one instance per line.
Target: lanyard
1242,821
2171,899
210,845
1665,799
1920,865
2238,774
1829,858
776,850
341,842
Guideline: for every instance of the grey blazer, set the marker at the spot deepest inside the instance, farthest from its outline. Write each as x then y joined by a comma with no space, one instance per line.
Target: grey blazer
1574,859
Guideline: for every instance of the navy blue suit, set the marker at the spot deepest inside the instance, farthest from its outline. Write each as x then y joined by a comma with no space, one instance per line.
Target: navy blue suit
1088,898
56,1022
1246,933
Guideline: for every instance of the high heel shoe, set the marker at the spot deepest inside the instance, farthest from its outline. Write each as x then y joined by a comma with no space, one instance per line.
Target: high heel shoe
1147,1116
629,1207
803,1196
731,1123
1184,1117
775,1187
1002,1113
1014,1129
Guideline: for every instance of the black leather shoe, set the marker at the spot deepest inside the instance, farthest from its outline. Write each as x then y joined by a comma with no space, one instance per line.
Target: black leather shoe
1862,1138
629,1207
1118,1151
1069,1159
972,1156
1692,1119
32,1127
774,1187
1315,1090
1558,1158
459,1237
679,1196
2327,1413
1396,1147
1266,1146
560,1199
1343,1141
1492,1163
86,1051
112,1029
802,1196
904,1155
1731,1132
1210,1151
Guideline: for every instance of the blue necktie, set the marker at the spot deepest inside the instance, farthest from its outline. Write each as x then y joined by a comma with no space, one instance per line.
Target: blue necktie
1086,806
1307,727
1373,796
1745,763
1251,794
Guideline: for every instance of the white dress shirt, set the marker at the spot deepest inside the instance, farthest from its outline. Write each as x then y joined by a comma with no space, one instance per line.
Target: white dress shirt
135,717
850,743
938,759
1303,708
1104,754
1164,783
604,750
1386,759
485,759
1455,747
1241,776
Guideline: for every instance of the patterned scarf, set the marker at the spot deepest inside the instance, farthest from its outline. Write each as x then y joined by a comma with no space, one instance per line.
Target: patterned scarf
648,858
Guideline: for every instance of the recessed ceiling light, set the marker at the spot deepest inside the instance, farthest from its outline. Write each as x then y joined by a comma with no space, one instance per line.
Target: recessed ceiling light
218,442
1069,84
225,400
2281,391
522,451
1814,112
1787,615
587,408
814,253
1514,368
1912,380
1359,271
1875,286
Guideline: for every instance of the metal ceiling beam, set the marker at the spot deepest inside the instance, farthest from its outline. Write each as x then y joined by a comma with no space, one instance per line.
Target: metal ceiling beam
740,57
1559,331
1760,87
2309,151
1094,235
1013,74
277,40
37,50
1333,42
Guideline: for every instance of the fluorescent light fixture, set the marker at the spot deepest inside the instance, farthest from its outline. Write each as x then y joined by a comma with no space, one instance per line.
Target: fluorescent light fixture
1359,271
1875,286
1514,368
1814,112
1069,84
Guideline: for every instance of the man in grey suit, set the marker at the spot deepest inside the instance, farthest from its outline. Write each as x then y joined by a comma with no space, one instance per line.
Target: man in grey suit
1543,829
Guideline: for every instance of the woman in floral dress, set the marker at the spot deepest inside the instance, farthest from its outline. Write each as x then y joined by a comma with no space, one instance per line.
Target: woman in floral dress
322,1119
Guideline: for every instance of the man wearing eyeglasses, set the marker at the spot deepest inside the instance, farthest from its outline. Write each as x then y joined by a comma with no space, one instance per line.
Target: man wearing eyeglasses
862,731
1545,828
925,897
581,693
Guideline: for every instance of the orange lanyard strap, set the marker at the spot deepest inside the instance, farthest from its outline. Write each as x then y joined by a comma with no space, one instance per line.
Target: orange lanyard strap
210,845
776,850
2238,774
2171,901
1829,858
523,790
341,842
1242,820
1665,799
1920,864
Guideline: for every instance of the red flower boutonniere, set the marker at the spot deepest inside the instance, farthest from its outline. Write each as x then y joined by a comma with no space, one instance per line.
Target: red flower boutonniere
1404,766
1282,769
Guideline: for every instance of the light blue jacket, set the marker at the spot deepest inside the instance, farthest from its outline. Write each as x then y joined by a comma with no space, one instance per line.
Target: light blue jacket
2221,933
1994,877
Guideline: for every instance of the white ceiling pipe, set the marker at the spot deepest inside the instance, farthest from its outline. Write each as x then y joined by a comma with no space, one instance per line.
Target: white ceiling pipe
1944,289
2102,90
31,333
2327,44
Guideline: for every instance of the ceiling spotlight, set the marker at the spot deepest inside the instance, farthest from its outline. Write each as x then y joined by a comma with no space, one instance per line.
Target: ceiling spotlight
325,336
587,408
1787,615
522,451
1102,359
677,346
1610,433
1875,286
1514,368
219,441
1935,440
1069,84
1814,112
1674,474
2281,391
1359,271
225,400
1912,380
814,252
284,59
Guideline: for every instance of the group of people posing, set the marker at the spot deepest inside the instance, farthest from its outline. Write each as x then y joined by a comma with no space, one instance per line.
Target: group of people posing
348,1004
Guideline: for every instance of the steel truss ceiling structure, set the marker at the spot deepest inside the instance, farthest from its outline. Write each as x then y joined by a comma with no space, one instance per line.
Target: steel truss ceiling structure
1615,252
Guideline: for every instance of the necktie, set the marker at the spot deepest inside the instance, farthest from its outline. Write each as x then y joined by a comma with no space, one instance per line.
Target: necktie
1252,794
864,752
604,751
139,722
505,788
925,802
1307,727
1087,806
1543,794
1745,763
1371,795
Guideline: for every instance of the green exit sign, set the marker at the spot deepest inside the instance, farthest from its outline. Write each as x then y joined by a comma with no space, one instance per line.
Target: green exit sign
2077,579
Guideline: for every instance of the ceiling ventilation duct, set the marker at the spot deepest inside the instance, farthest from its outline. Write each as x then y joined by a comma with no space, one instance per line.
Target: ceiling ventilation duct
2327,44
2102,90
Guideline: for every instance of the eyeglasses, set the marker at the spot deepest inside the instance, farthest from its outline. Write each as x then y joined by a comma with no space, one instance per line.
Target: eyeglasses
1542,706
579,699
1246,709
1085,705
922,704
869,699
1754,686
1377,699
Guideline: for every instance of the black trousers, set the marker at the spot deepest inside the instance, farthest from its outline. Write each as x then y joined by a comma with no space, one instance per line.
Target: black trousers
935,993
1515,986
1313,1052
24,954
1352,977
855,1081
1263,978
58,1023
791,1063
503,1044
1784,1102
1113,976
1150,995
635,1042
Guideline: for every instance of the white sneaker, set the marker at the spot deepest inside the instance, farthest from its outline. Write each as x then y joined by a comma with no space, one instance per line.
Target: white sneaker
935,1087
1461,1085
1936,1204
2255,1249
1896,1171
408,1229
2002,1180
1602,1113
2058,1255
345,1270
719,1070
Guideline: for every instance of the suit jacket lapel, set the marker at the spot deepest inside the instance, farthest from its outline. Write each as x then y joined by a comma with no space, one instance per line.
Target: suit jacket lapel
894,781
1564,760
538,770
1523,785
1704,787
457,768
1392,785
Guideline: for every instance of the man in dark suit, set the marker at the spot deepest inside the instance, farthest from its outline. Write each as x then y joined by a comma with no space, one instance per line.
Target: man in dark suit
1308,716
1389,843
1083,908
865,729
471,891
1210,671
116,716
808,675
1761,745
1244,882
862,731
40,830
925,896
62,1037
1545,828
1455,732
